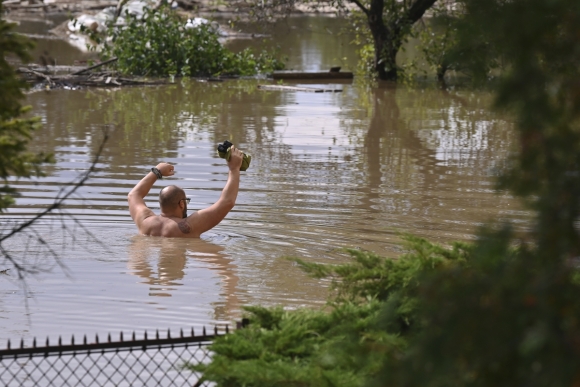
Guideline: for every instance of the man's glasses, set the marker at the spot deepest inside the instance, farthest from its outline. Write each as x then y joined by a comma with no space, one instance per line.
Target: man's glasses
186,199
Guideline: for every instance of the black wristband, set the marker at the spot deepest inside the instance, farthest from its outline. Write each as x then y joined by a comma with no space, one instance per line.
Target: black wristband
157,173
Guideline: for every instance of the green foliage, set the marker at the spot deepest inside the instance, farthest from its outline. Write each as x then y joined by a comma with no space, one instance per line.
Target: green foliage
438,40
363,39
373,276
328,348
503,320
304,348
443,50
160,45
15,132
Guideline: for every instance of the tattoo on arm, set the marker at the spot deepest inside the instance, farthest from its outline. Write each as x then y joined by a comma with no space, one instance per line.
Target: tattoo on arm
184,227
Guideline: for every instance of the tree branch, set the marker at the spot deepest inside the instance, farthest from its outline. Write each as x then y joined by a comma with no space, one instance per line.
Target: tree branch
62,196
95,66
361,6
120,5
418,9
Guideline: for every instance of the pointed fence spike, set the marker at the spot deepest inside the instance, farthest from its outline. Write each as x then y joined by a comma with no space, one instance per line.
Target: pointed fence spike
181,332
34,343
168,333
59,341
145,335
21,343
85,340
121,336
97,338
133,335
72,340
227,328
109,338
47,343
8,345
192,332
157,334
215,330
203,332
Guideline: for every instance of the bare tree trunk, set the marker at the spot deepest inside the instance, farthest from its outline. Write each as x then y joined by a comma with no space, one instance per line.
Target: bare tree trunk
380,35
386,46
387,65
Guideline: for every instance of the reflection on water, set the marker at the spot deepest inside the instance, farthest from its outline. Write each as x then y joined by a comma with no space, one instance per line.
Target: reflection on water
161,263
329,170
170,263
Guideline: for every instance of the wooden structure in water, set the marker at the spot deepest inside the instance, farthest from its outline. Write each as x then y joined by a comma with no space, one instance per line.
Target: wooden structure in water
334,73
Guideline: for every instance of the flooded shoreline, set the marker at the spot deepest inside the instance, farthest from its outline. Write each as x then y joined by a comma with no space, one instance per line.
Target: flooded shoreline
329,170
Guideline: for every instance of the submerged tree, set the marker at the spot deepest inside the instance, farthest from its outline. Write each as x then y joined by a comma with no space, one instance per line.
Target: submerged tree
390,23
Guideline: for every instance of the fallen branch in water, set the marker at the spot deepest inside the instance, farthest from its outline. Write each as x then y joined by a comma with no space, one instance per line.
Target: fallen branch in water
38,74
95,66
50,77
39,77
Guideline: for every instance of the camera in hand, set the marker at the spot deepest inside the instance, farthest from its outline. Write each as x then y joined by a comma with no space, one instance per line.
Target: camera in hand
223,148
223,151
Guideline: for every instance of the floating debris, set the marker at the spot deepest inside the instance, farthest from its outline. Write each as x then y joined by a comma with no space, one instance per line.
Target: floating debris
295,88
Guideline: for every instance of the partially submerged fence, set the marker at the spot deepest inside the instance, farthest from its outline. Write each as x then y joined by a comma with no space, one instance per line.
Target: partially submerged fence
148,361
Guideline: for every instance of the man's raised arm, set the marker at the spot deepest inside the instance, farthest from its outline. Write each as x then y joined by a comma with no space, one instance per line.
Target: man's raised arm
139,211
206,219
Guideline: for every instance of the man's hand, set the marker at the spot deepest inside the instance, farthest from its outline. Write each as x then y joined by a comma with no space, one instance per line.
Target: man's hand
235,161
166,169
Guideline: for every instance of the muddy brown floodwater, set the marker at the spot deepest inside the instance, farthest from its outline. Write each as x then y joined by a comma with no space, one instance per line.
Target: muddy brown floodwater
329,170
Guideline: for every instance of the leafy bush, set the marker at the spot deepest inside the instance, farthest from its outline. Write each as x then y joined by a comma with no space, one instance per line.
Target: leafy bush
160,45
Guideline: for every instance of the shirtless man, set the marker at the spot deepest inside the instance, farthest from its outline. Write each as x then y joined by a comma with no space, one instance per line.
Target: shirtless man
173,220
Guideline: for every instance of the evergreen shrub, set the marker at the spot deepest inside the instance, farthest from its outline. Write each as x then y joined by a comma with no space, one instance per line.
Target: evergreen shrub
328,347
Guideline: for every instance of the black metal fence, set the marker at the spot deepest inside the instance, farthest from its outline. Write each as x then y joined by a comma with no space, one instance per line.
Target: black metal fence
148,361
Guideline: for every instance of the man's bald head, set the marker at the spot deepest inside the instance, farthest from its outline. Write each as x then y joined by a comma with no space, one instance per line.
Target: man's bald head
169,198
